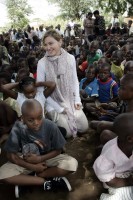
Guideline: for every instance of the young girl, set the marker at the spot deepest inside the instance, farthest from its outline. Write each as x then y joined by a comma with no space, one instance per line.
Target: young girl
114,166
28,88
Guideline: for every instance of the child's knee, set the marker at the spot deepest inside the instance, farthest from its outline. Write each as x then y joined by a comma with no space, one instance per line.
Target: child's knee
69,164
94,124
107,135
103,125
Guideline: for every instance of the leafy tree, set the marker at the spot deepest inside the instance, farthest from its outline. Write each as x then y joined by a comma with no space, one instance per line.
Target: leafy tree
18,12
117,6
73,9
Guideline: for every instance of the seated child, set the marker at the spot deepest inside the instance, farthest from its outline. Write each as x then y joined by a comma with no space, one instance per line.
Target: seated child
88,86
108,90
7,119
126,95
116,67
49,164
5,78
128,67
28,88
93,55
114,166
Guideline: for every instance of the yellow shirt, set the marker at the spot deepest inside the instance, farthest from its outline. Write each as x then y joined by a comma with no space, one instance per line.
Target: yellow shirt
117,71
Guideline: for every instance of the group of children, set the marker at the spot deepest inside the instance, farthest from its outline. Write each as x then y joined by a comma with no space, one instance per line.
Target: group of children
35,144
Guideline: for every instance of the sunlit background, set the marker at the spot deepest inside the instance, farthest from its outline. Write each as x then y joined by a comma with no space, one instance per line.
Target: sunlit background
41,10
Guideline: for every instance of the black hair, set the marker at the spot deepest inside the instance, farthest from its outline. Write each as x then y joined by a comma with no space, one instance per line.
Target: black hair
31,60
123,125
6,76
26,81
89,13
96,12
90,67
111,49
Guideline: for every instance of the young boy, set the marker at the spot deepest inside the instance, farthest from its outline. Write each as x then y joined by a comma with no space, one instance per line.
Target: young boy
93,55
114,166
116,67
108,90
51,163
125,94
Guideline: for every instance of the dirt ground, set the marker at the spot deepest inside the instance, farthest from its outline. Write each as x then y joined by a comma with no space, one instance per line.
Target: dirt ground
84,183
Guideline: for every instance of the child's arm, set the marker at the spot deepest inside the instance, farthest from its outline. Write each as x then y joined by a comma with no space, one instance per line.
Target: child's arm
7,90
120,182
14,158
34,159
49,87
114,92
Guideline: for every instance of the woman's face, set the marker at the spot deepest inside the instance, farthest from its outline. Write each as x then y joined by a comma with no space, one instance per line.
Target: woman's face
52,46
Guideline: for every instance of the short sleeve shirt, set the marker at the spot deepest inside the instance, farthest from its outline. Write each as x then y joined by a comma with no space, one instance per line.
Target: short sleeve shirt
48,135
112,162
91,89
107,90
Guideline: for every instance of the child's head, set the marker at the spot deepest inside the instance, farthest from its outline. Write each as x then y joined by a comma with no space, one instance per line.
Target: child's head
126,87
128,67
22,73
32,114
102,60
123,127
5,78
111,49
91,73
32,62
22,63
105,45
93,47
117,57
129,55
104,72
27,86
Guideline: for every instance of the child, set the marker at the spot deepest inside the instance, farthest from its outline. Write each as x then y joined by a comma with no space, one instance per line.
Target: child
5,78
93,55
7,119
88,86
125,94
116,67
51,163
114,166
108,90
128,67
28,88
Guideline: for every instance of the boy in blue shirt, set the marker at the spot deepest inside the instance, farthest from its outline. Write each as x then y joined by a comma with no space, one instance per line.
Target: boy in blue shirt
88,85
108,88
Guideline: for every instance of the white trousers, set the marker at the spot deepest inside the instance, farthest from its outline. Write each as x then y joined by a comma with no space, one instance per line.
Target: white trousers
61,120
